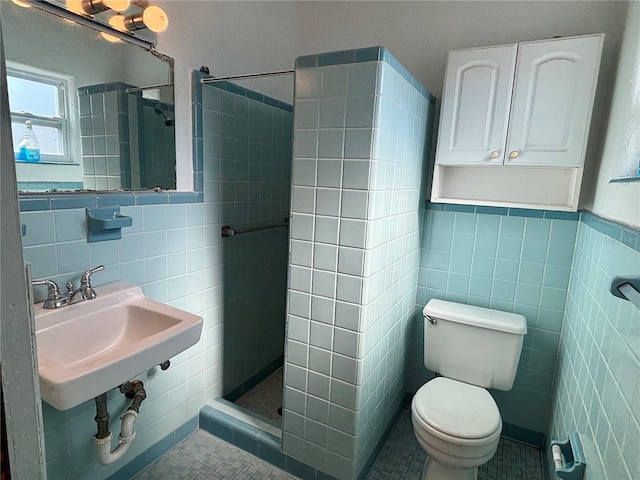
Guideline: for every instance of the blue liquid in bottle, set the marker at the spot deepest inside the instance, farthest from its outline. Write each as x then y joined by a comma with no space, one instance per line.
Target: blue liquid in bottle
28,148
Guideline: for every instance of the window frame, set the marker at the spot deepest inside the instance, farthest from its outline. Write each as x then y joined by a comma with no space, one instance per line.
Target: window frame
64,122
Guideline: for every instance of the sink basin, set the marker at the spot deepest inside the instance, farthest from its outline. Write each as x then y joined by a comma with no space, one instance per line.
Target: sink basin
93,346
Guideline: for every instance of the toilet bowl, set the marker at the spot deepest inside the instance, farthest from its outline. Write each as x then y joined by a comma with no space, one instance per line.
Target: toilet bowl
455,419
458,425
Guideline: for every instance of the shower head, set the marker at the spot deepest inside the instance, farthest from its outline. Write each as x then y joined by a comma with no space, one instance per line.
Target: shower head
168,121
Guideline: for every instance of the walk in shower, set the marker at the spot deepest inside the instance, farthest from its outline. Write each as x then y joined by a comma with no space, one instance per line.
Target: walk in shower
247,145
357,193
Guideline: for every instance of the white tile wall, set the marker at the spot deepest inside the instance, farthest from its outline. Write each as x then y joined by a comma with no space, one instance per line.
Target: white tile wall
363,259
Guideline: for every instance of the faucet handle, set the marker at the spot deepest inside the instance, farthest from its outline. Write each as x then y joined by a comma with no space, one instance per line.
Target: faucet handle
86,276
54,298
87,290
53,293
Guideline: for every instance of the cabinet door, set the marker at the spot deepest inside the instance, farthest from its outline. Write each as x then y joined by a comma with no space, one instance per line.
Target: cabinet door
553,96
475,105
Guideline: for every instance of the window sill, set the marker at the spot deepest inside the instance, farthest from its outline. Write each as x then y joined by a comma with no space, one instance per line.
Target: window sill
48,162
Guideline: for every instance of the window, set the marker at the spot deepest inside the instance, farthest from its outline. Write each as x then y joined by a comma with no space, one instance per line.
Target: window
41,98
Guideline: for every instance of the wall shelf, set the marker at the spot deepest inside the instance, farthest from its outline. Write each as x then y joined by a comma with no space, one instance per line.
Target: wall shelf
507,186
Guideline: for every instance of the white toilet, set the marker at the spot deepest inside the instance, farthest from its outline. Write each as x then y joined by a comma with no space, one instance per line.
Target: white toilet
454,418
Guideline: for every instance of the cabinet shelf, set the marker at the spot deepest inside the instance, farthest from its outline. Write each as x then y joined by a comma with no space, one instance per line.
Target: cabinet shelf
507,185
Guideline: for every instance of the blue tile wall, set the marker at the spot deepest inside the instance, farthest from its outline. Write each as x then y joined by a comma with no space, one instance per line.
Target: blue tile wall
360,55
247,151
253,440
173,252
360,137
597,391
629,236
47,186
158,152
110,160
105,145
63,201
170,252
510,260
250,94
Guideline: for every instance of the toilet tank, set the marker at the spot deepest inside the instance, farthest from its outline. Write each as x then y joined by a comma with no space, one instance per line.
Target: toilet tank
472,344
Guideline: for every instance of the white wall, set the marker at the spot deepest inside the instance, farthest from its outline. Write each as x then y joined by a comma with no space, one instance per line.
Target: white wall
230,38
247,37
621,201
420,33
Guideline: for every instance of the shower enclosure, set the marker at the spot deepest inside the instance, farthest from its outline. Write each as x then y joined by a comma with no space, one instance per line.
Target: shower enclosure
358,184
247,143
130,143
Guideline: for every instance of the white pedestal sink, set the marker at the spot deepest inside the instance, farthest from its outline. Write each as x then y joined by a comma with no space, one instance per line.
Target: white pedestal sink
90,347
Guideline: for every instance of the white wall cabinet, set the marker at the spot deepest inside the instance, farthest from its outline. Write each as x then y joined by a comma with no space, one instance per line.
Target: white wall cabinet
521,113
475,105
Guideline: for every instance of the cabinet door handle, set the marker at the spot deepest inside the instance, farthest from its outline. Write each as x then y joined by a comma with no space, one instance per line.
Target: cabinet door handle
514,154
495,154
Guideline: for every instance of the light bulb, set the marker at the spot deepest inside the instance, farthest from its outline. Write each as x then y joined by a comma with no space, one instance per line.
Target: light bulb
155,19
117,22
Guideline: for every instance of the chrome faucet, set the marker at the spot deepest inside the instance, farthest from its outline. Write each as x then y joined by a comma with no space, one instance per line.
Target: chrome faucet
56,300
88,293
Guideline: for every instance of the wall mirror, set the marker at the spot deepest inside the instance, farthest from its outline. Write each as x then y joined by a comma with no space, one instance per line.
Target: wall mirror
97,125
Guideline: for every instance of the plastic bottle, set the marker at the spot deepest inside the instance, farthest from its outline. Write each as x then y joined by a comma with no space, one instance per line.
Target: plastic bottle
28,148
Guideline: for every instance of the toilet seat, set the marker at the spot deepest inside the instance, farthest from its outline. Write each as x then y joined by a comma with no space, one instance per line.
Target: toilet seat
457,412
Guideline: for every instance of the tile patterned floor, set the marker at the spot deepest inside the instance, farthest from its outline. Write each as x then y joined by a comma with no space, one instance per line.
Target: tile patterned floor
203,457
265,398
403,458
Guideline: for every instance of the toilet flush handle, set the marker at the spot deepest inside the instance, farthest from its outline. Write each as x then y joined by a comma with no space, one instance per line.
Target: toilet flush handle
433,321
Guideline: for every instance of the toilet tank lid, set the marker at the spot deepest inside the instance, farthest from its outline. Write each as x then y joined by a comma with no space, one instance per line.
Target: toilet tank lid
476,316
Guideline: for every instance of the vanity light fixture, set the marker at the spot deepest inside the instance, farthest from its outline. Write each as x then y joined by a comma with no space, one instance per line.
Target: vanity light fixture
93,7
71,11
152,17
